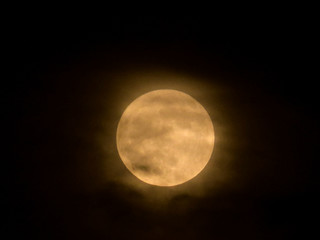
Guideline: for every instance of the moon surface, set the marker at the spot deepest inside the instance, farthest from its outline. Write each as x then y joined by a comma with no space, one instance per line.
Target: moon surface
165,137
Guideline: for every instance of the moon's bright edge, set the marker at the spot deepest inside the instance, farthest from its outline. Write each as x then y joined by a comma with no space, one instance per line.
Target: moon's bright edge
165,137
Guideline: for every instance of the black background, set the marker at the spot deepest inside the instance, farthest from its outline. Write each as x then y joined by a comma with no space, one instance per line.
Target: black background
263,61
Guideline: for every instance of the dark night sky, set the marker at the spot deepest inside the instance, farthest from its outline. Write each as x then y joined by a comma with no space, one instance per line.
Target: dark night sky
71,82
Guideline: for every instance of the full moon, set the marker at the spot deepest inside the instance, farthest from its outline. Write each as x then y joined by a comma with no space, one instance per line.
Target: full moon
165,137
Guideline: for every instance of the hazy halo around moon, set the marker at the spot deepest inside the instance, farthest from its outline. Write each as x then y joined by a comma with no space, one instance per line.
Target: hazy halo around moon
165,137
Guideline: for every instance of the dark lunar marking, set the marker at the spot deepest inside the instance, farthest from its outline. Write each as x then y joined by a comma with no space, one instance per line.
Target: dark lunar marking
146,169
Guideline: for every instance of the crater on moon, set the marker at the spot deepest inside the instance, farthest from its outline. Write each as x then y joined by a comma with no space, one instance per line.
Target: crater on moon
165,137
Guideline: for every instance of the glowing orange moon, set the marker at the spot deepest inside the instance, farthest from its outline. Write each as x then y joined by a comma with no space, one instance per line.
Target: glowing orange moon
165,137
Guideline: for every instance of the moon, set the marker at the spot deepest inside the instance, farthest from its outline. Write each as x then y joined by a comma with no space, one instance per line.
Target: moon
165,137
